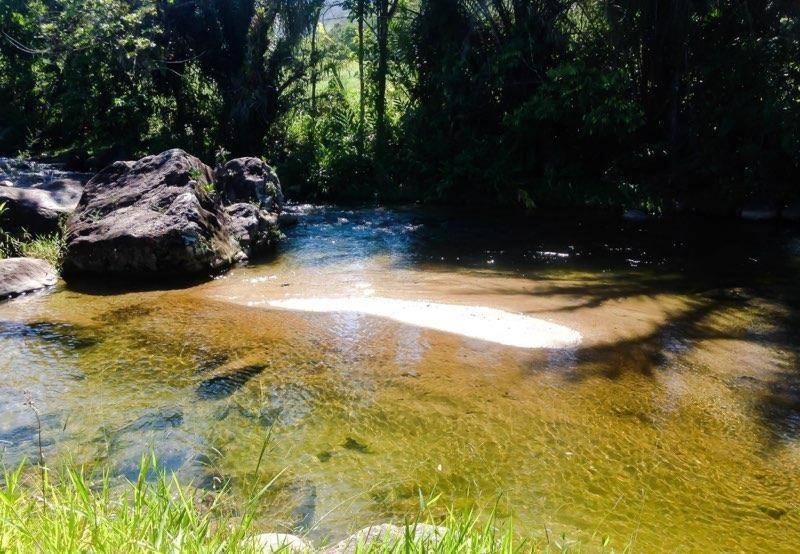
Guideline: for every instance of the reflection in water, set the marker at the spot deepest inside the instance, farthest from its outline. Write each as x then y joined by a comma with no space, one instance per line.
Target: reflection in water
673,425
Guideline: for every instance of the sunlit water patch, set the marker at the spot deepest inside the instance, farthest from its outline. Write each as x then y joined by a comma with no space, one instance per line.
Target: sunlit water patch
477,322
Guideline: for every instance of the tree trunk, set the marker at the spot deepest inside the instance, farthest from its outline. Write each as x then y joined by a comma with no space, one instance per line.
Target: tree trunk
361,99
664,57
385,11
314,64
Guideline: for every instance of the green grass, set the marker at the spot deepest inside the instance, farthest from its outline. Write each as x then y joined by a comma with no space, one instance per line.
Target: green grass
50,247
74,511
47,247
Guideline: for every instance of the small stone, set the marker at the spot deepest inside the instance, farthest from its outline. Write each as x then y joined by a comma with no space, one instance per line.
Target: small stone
268,543
324,456
391,536
353,444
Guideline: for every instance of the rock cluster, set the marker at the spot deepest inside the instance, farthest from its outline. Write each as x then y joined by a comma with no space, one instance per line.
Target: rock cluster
170,215
375,536
252,195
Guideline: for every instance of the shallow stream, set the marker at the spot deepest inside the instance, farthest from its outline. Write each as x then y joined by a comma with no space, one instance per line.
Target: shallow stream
673,425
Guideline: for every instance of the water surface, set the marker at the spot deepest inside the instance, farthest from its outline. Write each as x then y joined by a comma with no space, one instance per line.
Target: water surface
672,426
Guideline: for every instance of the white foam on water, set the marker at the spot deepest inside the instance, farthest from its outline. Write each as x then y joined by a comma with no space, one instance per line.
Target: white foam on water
476,322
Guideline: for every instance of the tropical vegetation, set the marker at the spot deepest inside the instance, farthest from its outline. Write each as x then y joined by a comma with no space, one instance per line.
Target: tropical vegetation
666,105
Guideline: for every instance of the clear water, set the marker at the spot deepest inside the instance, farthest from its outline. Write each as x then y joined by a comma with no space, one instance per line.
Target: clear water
674,426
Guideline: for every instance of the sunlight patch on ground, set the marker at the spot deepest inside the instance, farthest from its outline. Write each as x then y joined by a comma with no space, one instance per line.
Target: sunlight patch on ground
476,322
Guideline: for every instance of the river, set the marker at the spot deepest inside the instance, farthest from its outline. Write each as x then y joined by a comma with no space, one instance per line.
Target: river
673,424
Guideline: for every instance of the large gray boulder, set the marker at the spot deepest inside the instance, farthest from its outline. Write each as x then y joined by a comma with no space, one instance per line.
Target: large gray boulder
255,229
250,180
42,207
151,218
253,197
23,275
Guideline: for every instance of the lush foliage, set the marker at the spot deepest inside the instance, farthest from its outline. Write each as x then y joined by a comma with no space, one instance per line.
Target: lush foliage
103,79
662,104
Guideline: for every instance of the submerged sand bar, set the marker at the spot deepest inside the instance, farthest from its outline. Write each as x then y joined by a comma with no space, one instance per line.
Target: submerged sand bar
476,322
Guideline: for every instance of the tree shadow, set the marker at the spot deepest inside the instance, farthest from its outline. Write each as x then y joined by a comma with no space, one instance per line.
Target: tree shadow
717,311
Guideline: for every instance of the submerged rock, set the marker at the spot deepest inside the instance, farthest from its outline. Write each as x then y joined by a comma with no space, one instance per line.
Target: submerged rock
176,453
152,217
23,275
156,420
355,445
288,405
222,386
304,498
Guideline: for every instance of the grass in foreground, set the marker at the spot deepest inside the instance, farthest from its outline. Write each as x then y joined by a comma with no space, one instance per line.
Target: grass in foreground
50,247
71,512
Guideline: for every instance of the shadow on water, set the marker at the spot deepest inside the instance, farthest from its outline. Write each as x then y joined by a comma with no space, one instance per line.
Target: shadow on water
126,283
726,269
721,298
779,400
68,337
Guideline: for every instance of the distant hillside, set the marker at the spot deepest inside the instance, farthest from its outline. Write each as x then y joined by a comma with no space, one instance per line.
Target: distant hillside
334,14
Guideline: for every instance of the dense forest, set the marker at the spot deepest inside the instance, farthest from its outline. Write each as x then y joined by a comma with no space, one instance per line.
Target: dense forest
664,105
